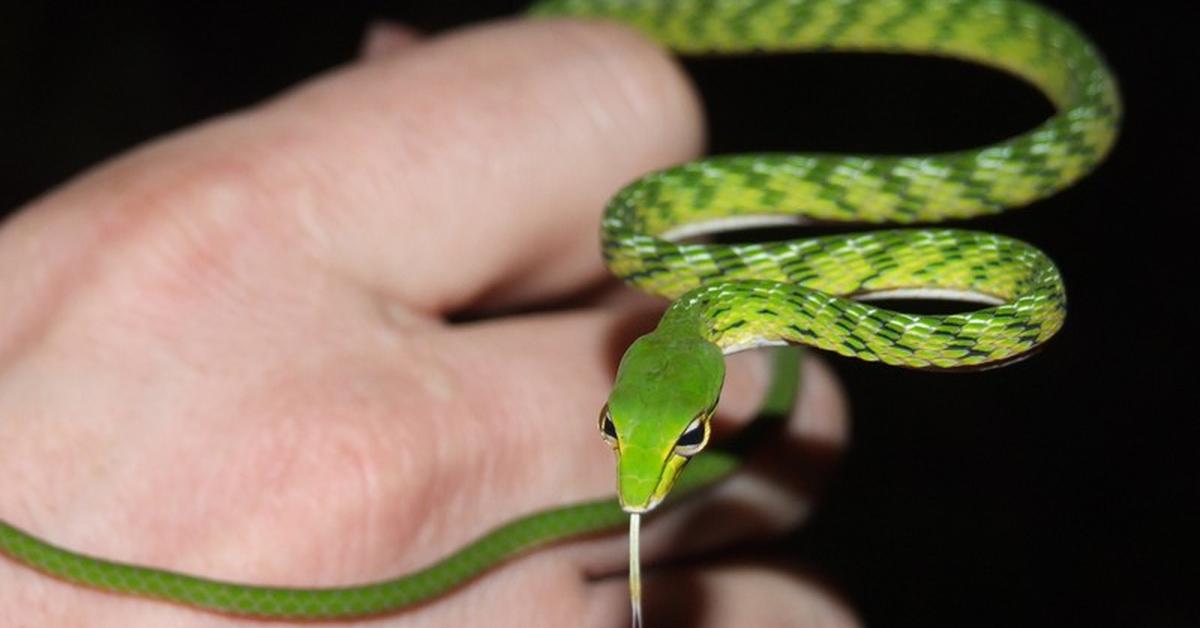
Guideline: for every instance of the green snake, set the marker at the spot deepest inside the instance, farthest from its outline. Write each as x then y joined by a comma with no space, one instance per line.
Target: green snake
815,292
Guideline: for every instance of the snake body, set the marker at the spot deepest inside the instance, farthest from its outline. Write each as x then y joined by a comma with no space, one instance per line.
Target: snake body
738,296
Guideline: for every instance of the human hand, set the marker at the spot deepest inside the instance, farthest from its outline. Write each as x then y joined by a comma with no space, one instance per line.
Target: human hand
227,353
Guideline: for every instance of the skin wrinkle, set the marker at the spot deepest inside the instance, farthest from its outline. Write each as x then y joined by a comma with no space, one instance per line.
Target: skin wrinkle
470,125
393,461
633,95
347,460
362,515
59,438
307,182
187,270
422,149
493,449
114,215
521,483
513,98
406,471
633,98
321,221
68,265
36,285
466,452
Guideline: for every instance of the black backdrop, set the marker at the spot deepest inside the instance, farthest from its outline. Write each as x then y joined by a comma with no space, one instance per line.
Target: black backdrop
1061,490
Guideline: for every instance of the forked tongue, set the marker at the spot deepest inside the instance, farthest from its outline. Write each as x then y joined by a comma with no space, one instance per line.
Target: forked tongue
635,570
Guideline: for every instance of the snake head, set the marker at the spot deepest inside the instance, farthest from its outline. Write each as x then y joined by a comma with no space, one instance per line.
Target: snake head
657,416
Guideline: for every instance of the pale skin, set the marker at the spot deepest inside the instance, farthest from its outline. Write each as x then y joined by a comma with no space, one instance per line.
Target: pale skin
226,352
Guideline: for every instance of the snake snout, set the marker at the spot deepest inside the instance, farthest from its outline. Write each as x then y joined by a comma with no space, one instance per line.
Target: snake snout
638,509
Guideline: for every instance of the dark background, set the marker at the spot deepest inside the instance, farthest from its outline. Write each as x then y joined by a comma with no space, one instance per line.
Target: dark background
1061,490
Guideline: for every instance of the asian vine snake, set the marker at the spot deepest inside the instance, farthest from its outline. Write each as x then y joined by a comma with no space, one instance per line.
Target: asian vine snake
733,297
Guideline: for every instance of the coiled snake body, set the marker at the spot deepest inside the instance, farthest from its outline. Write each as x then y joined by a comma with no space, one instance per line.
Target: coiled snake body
732,297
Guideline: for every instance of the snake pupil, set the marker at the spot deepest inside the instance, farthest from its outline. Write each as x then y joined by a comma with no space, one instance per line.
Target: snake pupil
693,439
607,427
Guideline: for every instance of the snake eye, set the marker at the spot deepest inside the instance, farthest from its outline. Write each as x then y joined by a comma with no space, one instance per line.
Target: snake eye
607,429
693,438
